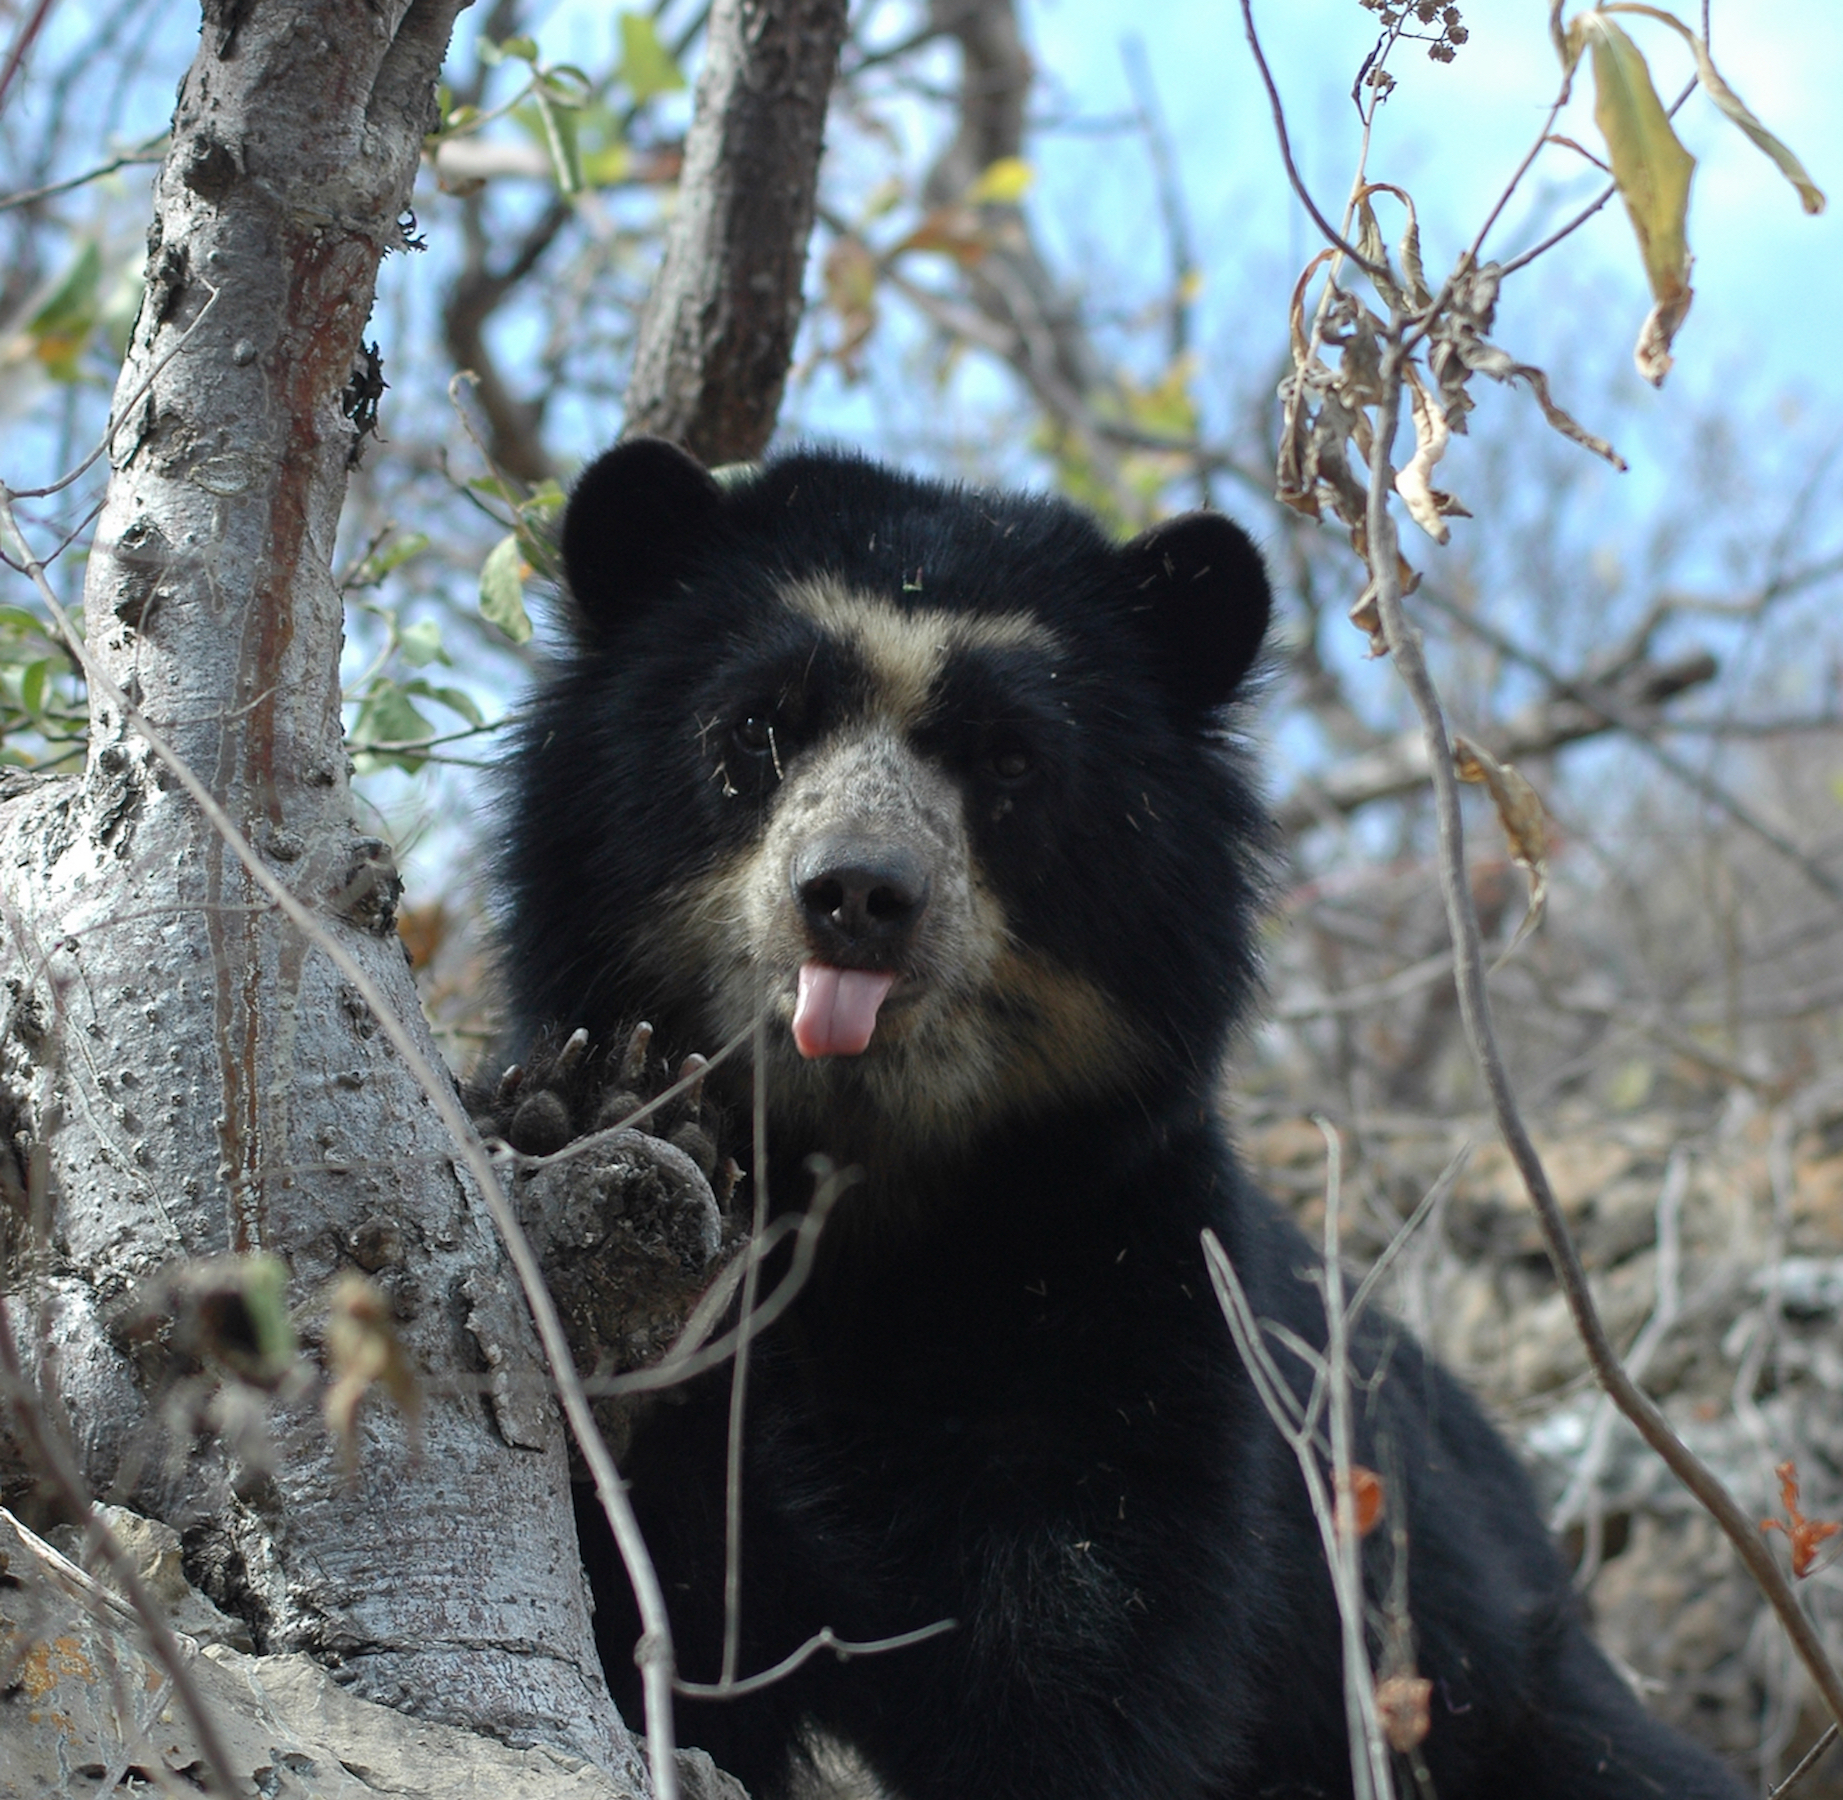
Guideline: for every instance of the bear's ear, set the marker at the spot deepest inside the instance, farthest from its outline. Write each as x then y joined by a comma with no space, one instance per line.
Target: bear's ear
637,516
1201,591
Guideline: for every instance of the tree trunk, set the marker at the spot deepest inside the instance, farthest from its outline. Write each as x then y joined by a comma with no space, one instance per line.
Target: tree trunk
718,331
184,1073
203,1079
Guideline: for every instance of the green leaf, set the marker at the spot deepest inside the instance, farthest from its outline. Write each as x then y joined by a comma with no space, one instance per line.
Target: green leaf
73,300
1810,195
394,556
647,67
32,684
120,308
520,49
566,86
421,643
502,590
265,1301
606,167
389,717
458,700
496,489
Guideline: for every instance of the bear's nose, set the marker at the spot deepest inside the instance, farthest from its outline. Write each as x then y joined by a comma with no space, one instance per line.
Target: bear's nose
859,895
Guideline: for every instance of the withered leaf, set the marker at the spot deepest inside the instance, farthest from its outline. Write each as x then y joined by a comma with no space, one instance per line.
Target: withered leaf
1525,821
363,1351
1428,506
1652,171
1810,195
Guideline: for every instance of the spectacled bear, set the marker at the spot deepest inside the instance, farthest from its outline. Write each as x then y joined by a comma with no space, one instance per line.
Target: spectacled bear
940,783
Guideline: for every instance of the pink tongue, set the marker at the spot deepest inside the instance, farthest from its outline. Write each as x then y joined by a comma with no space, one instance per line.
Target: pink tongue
835,1010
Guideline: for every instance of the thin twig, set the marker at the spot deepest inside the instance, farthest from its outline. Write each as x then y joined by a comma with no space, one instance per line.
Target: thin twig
1399,986
690,1356
22,45
739,1372
1806,1763
118,417
822,1639
1582,1500
1522,169
1170,191
1525,258
1335,239
1360,1718
654,1653
145,153
1298,1425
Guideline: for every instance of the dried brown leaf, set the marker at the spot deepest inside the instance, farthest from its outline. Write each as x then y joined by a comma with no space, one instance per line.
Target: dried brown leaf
956,231
1365,611
1428,506
363,1351
1302,352
1410,294
1805,1535
1366,1498
1458,348
1525,821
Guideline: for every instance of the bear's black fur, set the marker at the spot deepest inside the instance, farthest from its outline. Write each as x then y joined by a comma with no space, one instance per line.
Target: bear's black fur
958,763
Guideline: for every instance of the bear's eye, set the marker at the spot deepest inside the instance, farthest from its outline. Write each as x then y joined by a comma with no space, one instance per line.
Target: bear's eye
1010,762
754,735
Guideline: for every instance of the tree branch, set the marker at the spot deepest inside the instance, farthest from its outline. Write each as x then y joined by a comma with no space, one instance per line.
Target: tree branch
1567,716
718,331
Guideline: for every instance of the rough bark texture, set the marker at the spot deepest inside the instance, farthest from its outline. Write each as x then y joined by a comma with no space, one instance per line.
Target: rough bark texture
290,1731
718,331
202,1078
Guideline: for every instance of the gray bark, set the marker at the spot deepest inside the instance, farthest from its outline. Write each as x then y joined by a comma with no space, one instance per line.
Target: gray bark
290,1732
201,1077
718,331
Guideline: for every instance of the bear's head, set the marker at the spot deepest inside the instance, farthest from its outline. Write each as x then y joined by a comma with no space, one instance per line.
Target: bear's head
933,781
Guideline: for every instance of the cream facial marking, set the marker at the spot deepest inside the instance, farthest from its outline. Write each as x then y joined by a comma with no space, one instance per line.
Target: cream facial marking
905,649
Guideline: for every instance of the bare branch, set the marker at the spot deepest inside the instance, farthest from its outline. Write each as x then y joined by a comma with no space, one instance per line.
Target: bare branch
822,1639
1571,714
150,152
1332,237
718,330
1811,1757
1475,1007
